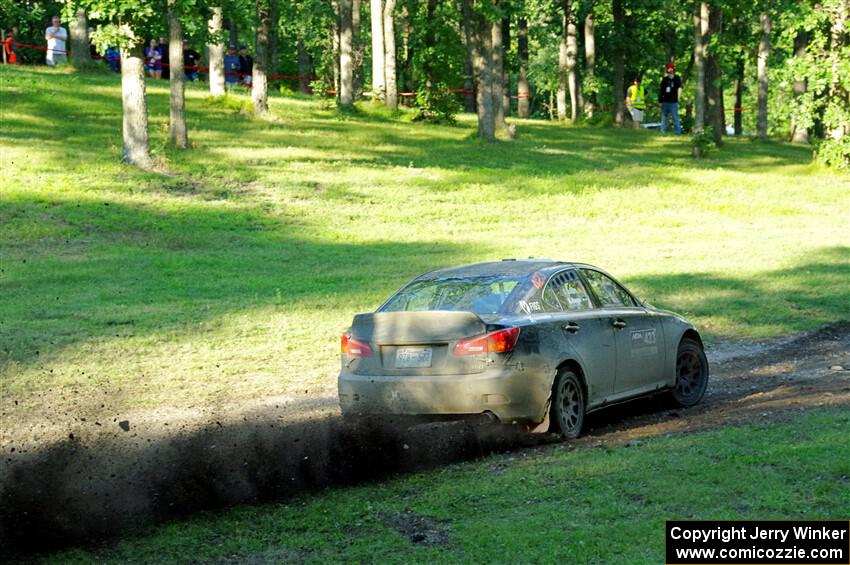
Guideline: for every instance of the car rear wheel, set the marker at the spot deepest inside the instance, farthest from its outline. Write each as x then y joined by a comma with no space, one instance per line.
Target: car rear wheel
568,404
691,373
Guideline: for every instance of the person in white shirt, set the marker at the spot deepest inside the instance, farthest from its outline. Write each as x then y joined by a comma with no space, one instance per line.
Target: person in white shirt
56,36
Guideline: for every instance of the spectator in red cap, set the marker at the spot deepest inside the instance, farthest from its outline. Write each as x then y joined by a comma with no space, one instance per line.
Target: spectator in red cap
671,89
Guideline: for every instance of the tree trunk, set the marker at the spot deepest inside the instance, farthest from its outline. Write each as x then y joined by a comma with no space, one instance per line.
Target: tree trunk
523,102
356,48
403,70
589,62
177,103
80,54
562,65
346,62
335,31
377,22
430,42
304,67
739,95
390,84
572,60
259,78
799,134
714,85
216,54
763,53
619,63
479,35
506,73
274,16
234,33
135,108
497,63
700,31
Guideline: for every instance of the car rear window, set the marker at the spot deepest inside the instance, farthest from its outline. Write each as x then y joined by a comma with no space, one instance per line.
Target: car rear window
482,295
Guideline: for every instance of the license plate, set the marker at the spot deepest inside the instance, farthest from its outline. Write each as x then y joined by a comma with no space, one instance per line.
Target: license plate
411,357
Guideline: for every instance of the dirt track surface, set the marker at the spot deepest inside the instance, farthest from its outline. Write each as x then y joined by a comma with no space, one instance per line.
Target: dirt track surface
63,484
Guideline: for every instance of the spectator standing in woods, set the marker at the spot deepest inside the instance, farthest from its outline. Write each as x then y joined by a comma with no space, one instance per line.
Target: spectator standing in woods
191,59
153,59
668,95
246,65
56,36
636,101
231,67
113,59
8,48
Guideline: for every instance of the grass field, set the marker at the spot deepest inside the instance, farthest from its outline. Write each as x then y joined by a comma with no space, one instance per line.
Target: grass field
231,274
557,505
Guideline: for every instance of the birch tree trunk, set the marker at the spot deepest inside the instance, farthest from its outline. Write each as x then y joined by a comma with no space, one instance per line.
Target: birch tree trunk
523,102
799,134
572,59
216,53
259,77
619,63
589,61
377,23
390,78
177,102
700,31
135,108
763,54
346,63
80,54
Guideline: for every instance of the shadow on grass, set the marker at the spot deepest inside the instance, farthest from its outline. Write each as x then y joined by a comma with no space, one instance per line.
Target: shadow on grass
76,270
813,290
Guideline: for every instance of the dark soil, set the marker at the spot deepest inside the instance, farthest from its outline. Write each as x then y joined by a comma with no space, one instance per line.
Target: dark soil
102,478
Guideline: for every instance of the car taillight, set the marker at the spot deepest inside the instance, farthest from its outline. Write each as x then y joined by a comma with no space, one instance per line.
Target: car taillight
354,347
501,341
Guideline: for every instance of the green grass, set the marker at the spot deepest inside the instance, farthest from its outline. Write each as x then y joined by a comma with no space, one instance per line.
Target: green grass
588,505
232,276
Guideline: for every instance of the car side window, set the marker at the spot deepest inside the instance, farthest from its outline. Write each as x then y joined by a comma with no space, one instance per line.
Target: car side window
608,291
565,292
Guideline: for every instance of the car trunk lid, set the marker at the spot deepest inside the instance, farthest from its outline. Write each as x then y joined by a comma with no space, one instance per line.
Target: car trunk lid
416,343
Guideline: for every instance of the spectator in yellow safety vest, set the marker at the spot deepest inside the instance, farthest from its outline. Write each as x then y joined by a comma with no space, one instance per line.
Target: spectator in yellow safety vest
636,101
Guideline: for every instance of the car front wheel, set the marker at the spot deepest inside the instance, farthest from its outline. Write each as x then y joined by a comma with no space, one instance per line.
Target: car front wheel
691,373
568,404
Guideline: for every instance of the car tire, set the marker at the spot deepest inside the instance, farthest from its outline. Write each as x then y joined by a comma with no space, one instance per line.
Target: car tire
691,373
568,405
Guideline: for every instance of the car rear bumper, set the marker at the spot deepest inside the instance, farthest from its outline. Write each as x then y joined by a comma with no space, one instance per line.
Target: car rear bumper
504,391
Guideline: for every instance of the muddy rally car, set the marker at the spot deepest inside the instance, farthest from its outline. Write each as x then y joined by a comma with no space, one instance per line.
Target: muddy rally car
537,343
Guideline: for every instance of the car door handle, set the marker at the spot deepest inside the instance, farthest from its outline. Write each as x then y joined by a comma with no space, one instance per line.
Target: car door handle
572,327
618,323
